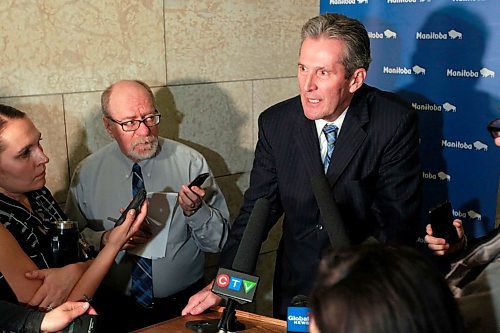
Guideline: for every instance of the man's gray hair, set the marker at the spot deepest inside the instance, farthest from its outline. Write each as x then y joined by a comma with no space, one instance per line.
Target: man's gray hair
341,27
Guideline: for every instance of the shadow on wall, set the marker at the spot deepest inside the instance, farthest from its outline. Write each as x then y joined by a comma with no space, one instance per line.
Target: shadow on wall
465,110
200,123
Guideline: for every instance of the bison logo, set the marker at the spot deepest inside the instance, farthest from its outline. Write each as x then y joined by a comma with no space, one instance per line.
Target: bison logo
418,70
449,107
390,34
480,146
454,34
444,176
474,215
485,72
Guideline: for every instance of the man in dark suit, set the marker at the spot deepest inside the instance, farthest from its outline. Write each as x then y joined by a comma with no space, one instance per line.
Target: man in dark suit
373,171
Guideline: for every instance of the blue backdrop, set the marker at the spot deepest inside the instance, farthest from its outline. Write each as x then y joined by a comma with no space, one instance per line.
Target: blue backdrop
443,57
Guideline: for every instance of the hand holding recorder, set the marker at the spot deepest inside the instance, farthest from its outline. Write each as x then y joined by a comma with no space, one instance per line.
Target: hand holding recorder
445,235
191,195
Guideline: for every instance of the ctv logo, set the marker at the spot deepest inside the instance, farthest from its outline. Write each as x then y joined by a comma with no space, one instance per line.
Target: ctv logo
234,283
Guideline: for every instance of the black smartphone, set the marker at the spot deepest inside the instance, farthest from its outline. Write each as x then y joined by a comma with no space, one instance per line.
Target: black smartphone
441,220
134,204
199,180
84,324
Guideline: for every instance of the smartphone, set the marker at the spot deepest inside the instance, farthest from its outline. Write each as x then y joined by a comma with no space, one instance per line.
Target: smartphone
84,324
198,181
441,220
134,204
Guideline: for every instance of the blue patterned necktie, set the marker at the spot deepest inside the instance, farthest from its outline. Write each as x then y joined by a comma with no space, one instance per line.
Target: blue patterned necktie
330,131
142,272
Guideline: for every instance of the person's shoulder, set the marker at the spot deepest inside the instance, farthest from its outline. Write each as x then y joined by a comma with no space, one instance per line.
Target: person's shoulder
171,147
99,156
390,101
279,108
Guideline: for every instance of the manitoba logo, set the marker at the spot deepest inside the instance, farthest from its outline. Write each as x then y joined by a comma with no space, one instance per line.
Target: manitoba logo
471,214
476,145
389,34
469,73
401,1
426,107
347,2
436,35
441,175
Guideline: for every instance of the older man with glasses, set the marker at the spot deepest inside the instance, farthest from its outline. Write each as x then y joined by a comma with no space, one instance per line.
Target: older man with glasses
142,291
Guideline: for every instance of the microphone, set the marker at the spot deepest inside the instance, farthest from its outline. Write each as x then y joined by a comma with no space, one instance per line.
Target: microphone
297,318
249,248
238,285
329,212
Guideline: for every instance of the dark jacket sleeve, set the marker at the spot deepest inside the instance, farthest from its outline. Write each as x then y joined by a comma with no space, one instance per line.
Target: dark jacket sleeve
19,319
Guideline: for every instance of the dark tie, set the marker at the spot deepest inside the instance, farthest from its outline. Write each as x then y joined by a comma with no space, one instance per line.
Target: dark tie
142,272
330,131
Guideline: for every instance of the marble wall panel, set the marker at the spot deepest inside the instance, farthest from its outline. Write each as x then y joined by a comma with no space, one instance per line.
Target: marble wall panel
269,92
233,187
216,120
68,46
46,112
84,127
235,40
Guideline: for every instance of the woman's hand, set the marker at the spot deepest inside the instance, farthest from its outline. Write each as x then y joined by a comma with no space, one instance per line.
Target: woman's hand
57,319
57,284
120,235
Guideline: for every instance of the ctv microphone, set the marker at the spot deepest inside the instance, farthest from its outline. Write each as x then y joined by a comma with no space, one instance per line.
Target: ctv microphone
238,285
297,318
329,212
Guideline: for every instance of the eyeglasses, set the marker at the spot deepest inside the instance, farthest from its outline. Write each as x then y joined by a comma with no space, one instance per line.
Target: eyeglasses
133,125
494,128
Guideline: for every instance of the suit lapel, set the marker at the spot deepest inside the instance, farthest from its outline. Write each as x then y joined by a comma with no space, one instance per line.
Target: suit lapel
351,137
306,139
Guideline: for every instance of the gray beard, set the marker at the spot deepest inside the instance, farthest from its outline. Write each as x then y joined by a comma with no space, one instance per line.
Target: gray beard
152,140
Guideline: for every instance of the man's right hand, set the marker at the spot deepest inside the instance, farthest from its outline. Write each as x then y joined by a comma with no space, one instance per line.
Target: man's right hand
201,301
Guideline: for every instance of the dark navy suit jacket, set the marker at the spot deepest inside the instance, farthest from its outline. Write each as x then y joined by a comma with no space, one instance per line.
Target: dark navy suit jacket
374,176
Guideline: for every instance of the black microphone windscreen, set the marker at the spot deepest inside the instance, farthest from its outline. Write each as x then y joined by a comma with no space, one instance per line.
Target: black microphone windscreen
329,212
300,300
249,248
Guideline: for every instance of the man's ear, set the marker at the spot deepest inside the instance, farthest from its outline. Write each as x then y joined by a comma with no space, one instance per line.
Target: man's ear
107,126
357,79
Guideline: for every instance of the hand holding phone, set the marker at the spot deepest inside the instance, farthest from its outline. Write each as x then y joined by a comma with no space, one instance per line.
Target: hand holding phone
198,181
134,204
441,220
